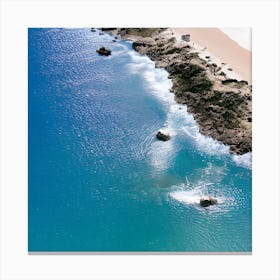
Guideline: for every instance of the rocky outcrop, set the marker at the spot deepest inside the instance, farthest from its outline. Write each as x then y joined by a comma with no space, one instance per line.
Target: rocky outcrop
104,51
163,135
222,107
108,29
207,201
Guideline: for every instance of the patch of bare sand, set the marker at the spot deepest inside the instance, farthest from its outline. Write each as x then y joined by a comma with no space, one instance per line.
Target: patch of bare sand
234,60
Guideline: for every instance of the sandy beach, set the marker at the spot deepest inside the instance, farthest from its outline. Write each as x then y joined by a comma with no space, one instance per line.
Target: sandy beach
222,50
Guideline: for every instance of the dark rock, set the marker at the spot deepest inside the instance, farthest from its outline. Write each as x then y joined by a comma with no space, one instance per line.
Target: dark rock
104,51
148,46
207,201
244,82
137,44
108,29
226,103
92,29
228,81
163,135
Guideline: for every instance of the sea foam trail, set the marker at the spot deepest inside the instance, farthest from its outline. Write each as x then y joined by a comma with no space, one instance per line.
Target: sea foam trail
178,120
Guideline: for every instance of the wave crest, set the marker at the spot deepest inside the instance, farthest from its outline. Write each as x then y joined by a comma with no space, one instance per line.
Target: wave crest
178,120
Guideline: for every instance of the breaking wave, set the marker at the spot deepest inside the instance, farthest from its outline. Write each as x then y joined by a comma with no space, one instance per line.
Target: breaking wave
243,160
178,120
189,195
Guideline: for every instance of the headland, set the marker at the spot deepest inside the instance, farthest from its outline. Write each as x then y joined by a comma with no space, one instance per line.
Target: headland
218,94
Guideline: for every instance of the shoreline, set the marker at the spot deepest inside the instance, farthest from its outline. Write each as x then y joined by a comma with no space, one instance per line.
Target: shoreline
221,48
221,104
241,35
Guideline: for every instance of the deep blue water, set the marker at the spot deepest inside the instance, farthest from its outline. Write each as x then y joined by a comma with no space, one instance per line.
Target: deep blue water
98,178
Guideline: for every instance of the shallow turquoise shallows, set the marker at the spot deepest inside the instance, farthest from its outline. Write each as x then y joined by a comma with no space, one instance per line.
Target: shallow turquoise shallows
99,180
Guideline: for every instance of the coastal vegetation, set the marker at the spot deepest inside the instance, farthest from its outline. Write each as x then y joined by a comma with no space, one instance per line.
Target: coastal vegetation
193,79
220,105
239,84
143,32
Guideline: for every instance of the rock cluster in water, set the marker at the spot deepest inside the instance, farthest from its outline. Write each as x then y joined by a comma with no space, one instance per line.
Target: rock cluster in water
104,51
163,135
207,201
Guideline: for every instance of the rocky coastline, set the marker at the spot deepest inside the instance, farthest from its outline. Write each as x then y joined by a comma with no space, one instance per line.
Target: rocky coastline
221,106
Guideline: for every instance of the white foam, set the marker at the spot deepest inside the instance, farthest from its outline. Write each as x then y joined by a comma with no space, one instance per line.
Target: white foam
243,160
157,79
187,197
178,120
210,145
190,195
193,196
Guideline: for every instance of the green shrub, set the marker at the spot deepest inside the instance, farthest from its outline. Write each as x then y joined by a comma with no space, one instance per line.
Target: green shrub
194,79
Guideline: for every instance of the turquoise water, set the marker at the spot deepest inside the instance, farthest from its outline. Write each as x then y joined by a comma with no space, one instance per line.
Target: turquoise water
98,178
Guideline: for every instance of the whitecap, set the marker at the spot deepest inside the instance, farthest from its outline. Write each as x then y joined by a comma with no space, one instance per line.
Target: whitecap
187,197
190,195
178,120
210,145
243,160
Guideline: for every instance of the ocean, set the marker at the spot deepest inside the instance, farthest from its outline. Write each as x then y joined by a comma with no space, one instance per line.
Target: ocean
99,180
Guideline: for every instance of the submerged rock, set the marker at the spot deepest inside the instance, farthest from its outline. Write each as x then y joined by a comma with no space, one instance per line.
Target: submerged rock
207,201
163,135
104,51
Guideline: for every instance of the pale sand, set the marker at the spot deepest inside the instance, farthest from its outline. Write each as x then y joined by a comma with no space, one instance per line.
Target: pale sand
221,48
